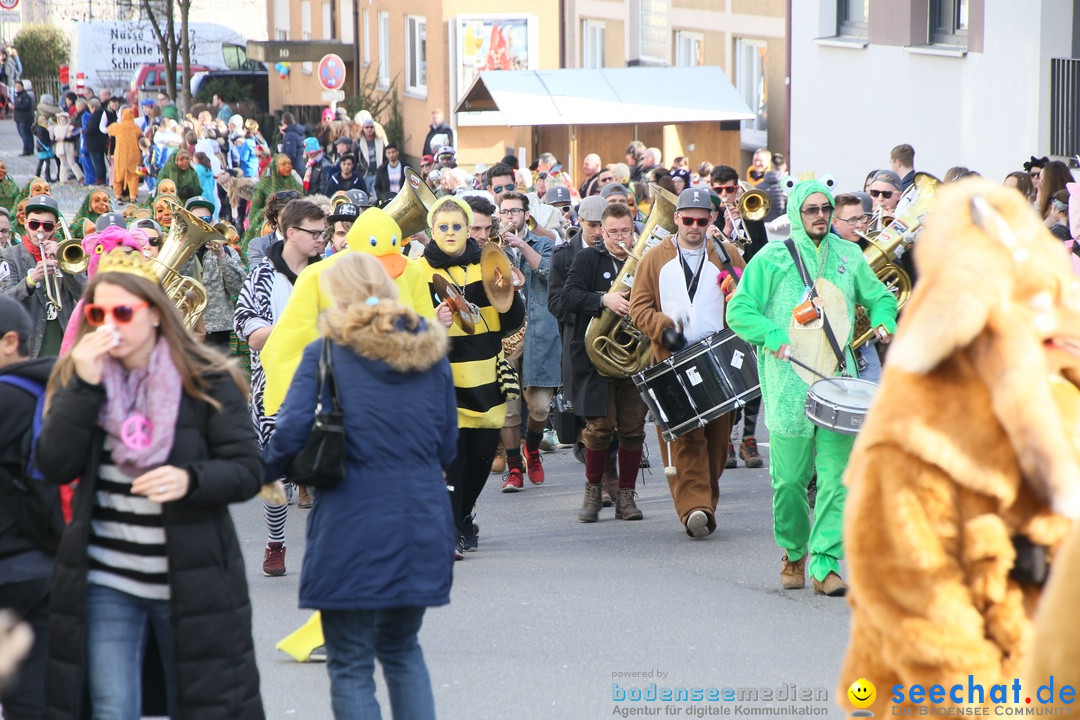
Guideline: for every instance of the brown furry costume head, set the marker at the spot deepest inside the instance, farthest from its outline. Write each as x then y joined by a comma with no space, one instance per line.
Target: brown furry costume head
996,286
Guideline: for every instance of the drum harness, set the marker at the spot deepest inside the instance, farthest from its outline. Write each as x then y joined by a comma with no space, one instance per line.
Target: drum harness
812,294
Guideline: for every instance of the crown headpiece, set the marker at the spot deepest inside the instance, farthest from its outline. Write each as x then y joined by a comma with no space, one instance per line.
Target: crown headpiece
129,262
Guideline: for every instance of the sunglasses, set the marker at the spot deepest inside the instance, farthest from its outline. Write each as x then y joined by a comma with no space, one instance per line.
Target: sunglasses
725,189
123,314
45,225
817,210
883,193
287,195
509,187
691,222
154,241
445,228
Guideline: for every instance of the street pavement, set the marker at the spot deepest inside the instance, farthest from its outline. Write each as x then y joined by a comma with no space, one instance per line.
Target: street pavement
551,613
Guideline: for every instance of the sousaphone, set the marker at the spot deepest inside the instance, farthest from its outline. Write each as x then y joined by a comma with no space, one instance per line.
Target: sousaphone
410,207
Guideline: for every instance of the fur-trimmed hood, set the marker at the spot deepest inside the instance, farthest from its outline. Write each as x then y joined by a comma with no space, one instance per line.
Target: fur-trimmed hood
409,344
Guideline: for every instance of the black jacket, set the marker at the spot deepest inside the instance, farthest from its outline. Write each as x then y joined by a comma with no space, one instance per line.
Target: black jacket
211,611
94,138
320,176
382,178
589,279
336,183
24,107
432,132
20,560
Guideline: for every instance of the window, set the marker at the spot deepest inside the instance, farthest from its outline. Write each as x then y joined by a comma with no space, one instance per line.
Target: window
751,69
415,55
949,22
384,49
852,18
327,22
348,25
689,49
305,29
281,19
367,37
592,44
650,36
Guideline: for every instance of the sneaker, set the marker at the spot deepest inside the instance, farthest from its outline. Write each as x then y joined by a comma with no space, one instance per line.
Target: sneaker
318,654
303,497
534,465
550,441
590,509
498,465
459,548
811,491
832,585
793,574
698,524
471,536
732,461
274,559
625,508
514,481
748,452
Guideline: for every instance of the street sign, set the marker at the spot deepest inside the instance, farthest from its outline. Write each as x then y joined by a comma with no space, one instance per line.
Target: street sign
9,11
332,72
333,95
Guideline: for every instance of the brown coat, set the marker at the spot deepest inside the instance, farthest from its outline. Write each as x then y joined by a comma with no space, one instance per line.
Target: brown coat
970,444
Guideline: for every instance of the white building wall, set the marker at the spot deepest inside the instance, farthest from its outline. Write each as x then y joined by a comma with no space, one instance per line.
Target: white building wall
988,111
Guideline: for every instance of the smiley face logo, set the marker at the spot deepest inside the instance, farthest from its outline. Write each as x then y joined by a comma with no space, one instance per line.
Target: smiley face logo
862,693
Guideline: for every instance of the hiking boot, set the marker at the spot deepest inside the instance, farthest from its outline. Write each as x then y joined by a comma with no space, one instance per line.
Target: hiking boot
514,481
610,482
303,497
748,452
811,491
697,524
274,559
590,509
732,461
534,465
832,586
625,509
793,574
498,465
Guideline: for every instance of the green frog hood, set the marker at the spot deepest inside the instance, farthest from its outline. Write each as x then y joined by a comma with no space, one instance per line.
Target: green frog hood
798,196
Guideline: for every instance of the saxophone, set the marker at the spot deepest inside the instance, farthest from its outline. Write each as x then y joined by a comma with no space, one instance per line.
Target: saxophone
616,347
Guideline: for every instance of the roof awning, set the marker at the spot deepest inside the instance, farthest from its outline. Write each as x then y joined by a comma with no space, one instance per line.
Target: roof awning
605,96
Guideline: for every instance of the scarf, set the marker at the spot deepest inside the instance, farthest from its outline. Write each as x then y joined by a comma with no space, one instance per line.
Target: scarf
154,393
438,259
33,249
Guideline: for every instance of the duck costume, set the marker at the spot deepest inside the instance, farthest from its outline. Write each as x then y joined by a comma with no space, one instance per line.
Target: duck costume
761,312
374,232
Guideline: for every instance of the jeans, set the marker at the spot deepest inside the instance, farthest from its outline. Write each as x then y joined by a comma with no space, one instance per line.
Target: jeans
354,638
116,635
872,371
24,697
25,132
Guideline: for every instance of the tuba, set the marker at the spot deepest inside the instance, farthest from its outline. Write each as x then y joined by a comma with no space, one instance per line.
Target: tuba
887,245
616,347
186,235
411,205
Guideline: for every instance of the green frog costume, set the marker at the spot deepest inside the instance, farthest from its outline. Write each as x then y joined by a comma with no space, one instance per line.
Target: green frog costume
760,312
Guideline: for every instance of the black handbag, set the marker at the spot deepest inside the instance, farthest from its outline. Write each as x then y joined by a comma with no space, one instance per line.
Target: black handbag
321,462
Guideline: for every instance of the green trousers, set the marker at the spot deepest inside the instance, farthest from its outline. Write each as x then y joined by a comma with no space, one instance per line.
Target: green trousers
792,462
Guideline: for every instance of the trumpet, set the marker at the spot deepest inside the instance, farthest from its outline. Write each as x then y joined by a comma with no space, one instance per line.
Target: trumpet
753,205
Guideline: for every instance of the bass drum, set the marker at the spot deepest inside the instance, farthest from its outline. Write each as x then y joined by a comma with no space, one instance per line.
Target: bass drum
700,383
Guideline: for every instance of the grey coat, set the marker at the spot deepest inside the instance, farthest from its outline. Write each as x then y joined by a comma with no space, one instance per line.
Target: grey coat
15,262
223,280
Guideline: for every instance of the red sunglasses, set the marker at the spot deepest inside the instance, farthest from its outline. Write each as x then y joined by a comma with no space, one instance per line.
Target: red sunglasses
123,314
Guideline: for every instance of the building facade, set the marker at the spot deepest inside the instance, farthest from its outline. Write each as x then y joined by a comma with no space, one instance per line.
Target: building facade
965,82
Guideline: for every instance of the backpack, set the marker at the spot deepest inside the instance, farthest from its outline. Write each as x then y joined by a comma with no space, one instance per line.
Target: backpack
34,502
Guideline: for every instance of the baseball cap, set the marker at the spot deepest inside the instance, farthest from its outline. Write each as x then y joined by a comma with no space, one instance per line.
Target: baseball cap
592,208
147,101
311,144
110,219
346,211
44,203
481,167
864,198
198,201
694,198
358,197
343,140
446,150
14,318
887,176
557,194
427,160
614,189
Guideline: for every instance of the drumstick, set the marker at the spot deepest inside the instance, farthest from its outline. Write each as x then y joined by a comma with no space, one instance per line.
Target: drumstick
826,378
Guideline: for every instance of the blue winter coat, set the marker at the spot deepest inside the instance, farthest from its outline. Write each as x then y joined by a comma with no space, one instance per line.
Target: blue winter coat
385,536
539,364
292,144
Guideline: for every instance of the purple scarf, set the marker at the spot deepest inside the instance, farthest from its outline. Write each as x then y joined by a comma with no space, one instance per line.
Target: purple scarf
152,392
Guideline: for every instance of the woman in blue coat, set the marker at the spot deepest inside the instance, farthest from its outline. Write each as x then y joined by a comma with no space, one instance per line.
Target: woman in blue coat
380,545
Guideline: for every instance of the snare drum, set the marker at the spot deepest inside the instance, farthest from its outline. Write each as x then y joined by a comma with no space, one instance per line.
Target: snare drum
840,403
700,383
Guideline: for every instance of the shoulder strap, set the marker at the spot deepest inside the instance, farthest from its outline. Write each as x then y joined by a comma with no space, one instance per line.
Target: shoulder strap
790,244
327,381
841,360
725,259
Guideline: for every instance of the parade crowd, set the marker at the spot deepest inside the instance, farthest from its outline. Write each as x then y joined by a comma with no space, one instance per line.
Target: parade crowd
165,351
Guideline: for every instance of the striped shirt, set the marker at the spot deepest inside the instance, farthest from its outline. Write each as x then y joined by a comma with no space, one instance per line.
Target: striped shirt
127,536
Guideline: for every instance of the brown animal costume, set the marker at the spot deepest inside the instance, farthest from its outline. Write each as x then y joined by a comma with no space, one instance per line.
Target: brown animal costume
965,452
126,157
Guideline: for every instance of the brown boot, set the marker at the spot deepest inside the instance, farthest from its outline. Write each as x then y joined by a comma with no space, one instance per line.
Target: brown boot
832,585
303,497
590,509
610,483
793,574
625,509
748,452
498,465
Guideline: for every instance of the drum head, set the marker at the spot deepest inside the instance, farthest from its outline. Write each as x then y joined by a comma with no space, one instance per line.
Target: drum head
845,392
